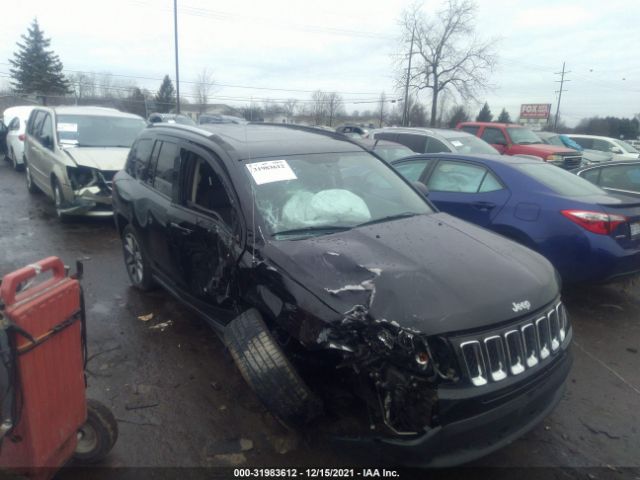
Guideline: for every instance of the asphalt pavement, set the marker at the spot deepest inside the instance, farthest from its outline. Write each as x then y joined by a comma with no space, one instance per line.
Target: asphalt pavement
181,402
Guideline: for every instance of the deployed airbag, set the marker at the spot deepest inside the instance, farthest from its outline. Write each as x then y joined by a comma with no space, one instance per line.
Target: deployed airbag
326,207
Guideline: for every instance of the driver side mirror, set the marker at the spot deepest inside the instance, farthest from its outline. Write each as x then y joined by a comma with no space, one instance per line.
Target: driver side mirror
421,187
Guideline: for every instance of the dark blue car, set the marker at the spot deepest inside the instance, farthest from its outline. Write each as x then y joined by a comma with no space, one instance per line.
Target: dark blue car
586,233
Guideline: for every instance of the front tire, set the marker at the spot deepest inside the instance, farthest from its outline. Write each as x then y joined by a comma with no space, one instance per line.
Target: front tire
268,371
97,436
31,186
135,260
59,201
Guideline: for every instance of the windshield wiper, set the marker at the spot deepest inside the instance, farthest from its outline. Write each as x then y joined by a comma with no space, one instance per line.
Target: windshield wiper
388,218
326,229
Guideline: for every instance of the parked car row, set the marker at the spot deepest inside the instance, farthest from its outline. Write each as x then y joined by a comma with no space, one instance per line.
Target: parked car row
417,294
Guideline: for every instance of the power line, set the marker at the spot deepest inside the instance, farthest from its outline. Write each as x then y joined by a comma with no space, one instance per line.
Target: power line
212,84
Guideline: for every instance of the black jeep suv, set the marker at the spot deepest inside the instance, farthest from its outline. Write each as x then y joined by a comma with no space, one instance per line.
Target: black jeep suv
341,292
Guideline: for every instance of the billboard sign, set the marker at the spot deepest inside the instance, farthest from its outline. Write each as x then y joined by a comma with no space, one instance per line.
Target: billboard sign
535,110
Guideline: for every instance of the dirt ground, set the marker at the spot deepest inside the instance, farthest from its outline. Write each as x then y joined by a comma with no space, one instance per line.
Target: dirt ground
181,402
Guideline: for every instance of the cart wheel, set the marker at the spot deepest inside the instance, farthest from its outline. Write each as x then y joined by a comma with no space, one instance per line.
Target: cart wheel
98,435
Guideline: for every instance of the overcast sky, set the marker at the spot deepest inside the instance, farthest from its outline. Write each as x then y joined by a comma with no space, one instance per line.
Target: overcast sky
341,46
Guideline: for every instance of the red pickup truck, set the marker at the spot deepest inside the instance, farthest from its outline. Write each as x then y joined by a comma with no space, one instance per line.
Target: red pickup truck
513,139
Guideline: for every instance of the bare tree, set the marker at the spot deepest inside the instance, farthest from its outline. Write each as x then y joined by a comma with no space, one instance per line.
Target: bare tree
447,54
318,107
203,88
289,107
334,106
83,85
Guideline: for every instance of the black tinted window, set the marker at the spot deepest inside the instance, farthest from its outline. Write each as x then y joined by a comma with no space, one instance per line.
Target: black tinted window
165,168
414,142
583,142
623,177
206,189
470,129
592,175
139,158
46,131
494,136
35,123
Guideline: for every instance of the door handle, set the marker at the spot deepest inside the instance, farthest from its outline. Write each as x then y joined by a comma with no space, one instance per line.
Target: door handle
483,206
182,230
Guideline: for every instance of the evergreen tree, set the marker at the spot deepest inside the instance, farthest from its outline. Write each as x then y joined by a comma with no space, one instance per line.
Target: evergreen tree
458,114
504,116
485,114
35,69
166,96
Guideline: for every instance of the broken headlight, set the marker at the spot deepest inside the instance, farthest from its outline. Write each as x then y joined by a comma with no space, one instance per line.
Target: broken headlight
82,177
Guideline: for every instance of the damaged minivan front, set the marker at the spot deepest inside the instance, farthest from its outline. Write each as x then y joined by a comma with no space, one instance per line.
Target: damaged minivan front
345,298
72,154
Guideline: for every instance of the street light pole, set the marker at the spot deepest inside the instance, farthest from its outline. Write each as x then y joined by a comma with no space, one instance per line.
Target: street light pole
405,112
175,32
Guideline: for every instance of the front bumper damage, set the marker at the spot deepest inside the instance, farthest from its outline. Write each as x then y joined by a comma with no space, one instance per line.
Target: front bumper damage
476,436
89,193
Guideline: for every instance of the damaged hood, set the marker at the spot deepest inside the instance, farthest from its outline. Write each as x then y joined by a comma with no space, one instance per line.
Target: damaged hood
431,273
109,158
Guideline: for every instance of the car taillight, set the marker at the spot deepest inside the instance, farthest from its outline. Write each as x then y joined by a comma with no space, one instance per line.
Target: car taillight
596,222
21,137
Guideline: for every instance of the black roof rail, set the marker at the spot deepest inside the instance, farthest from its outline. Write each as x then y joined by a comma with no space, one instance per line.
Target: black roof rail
306,128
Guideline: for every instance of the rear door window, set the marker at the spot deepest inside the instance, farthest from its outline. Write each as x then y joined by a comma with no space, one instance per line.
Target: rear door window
417,143
602,145
451,176
164,172
622,177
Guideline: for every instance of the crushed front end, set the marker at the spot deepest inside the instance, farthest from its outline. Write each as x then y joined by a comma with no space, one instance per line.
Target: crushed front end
89,191
448,399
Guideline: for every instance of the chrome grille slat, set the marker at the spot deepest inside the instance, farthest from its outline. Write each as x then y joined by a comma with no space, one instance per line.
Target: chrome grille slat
495,356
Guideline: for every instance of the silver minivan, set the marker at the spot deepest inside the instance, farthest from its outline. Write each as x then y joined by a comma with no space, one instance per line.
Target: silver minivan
72,154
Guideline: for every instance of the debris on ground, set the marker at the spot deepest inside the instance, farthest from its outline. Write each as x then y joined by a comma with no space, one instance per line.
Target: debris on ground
246,444
632,350
145,318
215,386
162,326
222,408
599,431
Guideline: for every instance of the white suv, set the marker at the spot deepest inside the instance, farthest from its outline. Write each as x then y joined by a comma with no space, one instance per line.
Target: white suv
72,154
621,150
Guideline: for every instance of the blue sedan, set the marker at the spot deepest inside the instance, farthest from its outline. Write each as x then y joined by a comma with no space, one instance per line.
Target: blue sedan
586,233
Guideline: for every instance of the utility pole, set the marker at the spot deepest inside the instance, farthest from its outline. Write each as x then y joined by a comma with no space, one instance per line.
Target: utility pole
405,110
559,92
175,33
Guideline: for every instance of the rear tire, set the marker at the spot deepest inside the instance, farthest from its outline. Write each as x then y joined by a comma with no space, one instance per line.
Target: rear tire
98,435
267,370
31,186
135,260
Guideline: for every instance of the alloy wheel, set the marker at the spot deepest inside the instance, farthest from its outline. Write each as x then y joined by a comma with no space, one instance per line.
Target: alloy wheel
133,258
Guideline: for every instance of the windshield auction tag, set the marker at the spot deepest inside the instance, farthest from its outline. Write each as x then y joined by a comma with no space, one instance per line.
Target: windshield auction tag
456,143
271,171
68,127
